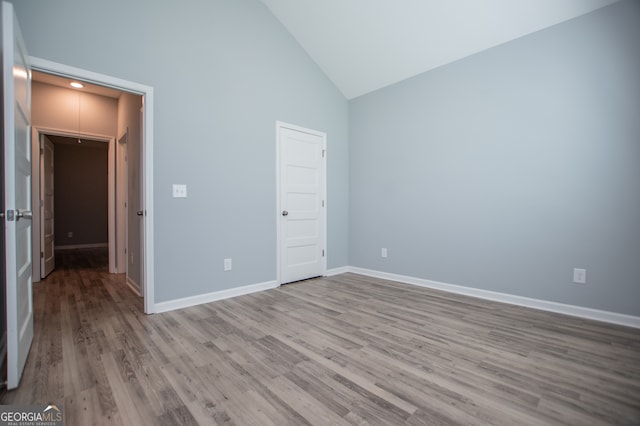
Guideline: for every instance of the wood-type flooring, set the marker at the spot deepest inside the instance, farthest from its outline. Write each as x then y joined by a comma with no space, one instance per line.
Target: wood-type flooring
345,350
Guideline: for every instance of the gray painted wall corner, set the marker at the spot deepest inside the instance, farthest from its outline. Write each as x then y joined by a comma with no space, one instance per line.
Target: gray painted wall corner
505,170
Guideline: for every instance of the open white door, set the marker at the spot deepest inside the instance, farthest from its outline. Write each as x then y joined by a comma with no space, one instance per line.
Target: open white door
47,236
16,80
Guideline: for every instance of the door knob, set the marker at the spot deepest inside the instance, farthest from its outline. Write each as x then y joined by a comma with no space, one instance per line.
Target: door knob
140,213
285,213
24,214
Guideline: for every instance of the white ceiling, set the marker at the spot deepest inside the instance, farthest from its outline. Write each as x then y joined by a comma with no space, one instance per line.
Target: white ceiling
363,45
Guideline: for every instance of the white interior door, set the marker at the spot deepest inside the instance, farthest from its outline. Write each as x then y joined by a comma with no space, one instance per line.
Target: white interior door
47,236
302,213
16,79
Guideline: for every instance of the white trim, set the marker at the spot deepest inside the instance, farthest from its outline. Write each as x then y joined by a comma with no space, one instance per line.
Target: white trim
338,271
214,296
39,131
120,198
133,286
544,305
146,92
148,271
62,70
280,125
36,233
82,246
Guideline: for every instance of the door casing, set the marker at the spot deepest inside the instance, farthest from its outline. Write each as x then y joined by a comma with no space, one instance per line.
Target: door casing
146,92
37,133
46,181
323,184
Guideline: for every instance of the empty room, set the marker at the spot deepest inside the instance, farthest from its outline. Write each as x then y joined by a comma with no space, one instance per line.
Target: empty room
422,212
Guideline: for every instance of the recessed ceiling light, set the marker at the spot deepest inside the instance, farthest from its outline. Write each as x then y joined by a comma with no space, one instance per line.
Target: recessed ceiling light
77,85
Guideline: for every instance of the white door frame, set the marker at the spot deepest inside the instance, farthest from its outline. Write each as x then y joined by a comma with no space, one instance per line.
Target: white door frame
120,178
37,133
146,92
323,187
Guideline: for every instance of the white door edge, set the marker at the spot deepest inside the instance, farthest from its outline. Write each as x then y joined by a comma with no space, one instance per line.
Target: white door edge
146,92
283,125
17,171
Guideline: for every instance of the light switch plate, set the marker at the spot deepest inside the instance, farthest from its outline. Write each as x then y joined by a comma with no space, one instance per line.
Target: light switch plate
179,191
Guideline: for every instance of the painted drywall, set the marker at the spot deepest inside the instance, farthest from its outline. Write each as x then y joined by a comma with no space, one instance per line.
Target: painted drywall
81,196
129,123
223,73
71,110
505,170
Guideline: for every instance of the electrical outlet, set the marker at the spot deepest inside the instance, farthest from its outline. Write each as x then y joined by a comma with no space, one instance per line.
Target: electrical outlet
579,276
227,265
383,253
179,191
69,234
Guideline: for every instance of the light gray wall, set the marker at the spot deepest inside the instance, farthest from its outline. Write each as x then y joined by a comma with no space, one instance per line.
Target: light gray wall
505,170
223,72
80,186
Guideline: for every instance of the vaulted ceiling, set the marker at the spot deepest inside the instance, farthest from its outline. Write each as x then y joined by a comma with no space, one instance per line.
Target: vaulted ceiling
364,45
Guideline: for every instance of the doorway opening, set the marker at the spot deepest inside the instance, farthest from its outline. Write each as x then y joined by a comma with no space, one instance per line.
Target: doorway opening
129,180
74,193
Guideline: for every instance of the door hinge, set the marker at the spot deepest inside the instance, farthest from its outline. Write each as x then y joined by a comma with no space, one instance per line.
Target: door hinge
323,152
41,255
322,252
322,203
41,151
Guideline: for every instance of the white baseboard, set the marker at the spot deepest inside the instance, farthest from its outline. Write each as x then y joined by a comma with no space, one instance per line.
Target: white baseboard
82,246
576,311
215,296
337,271
133,286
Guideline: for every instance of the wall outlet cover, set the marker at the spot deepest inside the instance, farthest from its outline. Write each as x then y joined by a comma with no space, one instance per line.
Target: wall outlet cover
179,191
579,276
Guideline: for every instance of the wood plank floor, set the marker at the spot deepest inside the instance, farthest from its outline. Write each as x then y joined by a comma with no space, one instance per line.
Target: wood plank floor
346,350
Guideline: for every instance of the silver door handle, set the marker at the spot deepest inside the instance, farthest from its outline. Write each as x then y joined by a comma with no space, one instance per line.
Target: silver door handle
140,213
24,214
285,213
